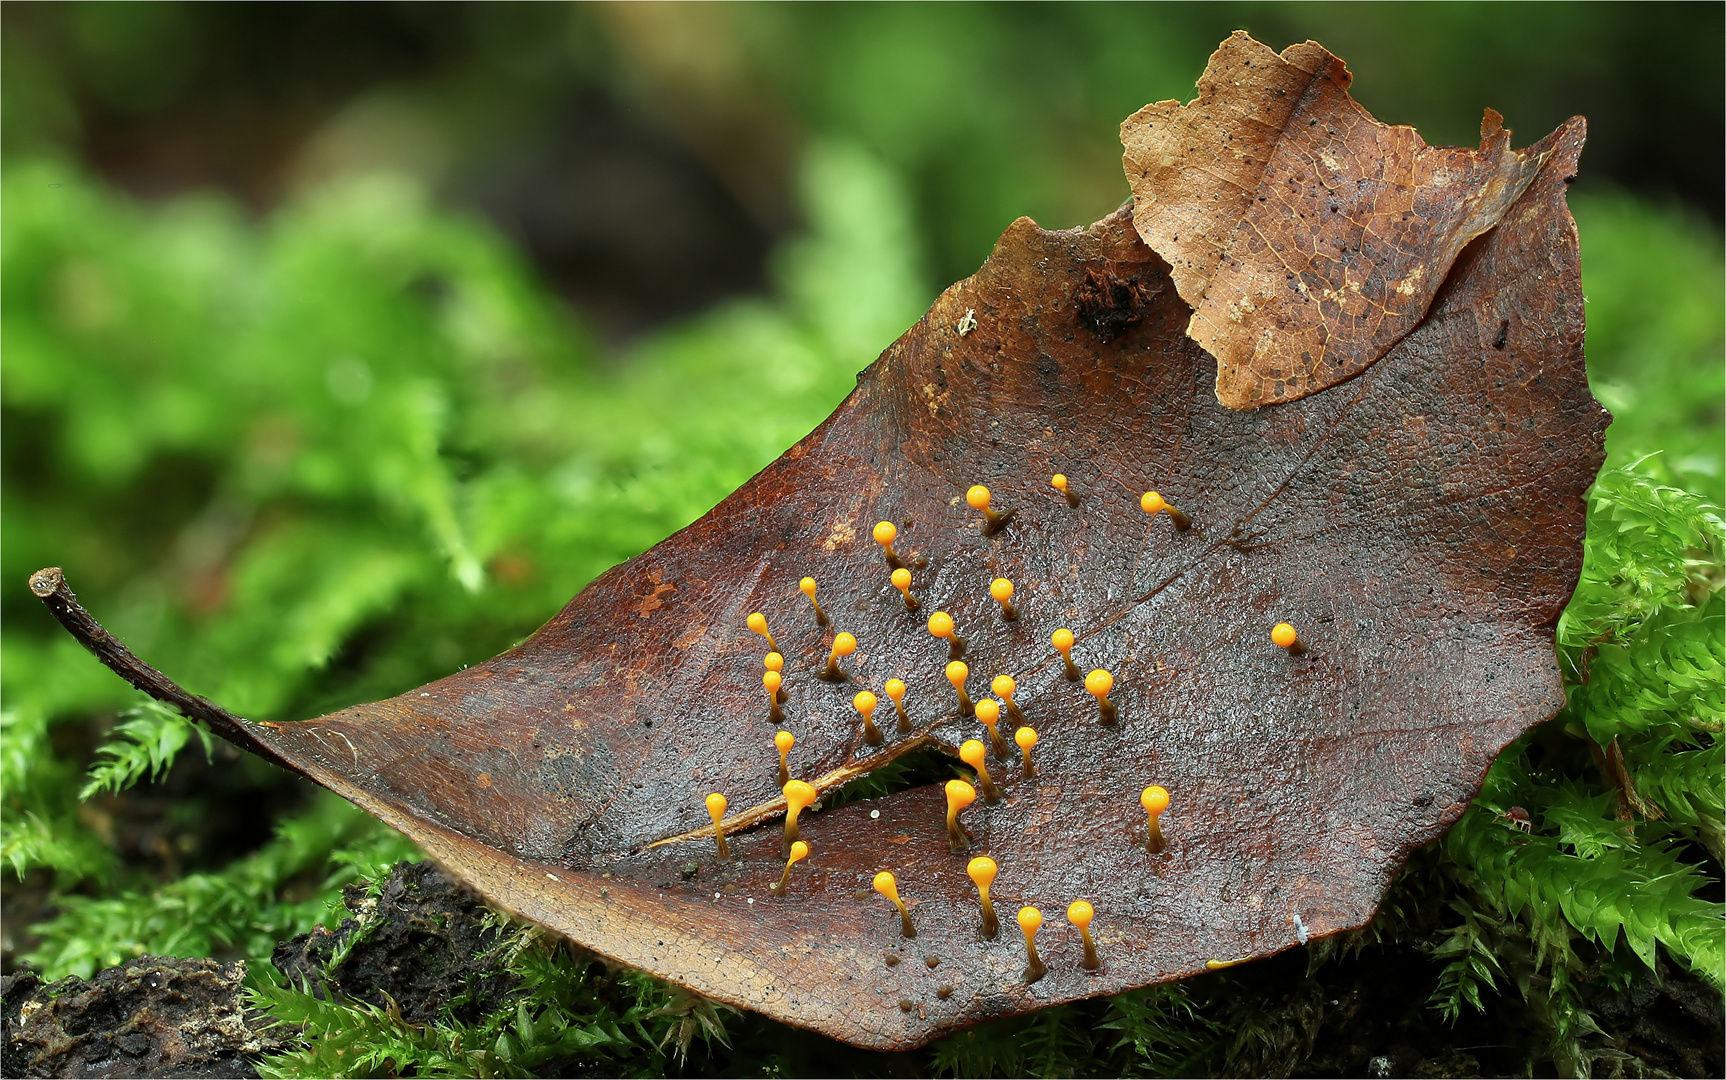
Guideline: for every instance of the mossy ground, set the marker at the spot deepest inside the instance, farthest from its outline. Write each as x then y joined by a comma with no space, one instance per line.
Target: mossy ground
331,453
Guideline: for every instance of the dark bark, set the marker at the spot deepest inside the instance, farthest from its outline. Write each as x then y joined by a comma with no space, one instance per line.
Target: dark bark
422,942
156,1016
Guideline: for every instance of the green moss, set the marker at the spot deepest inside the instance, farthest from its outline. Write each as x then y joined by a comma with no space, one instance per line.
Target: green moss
373,449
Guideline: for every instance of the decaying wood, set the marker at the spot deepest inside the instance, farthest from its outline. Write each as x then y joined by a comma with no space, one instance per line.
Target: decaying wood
151,1016
1420,524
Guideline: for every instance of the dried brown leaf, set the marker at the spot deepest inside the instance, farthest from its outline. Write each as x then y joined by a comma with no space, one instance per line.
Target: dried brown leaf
1307,236
1421,525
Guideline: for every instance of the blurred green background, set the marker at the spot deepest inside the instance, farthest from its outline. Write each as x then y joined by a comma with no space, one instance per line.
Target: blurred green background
645,156
343,343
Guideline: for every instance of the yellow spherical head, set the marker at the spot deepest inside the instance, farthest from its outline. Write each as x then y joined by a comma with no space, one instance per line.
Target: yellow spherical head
885,532
978,497
1154,799
941,624
1152,503
886,886
1003,686
1001,589
773,662
1284,634
971,753
957,673
757,622
772,680
901,579
844,644
1059,482
1080,913
960,794
799,795
989,711
1062,639
799,852
784,741
716,806
1030,921
982,871
864,703
1099,682
895,689
1025,737
808,587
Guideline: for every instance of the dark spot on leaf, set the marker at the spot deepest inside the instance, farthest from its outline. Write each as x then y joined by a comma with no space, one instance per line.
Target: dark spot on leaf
1109,306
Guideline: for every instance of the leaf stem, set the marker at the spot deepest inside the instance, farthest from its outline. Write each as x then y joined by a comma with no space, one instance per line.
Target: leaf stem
50,587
